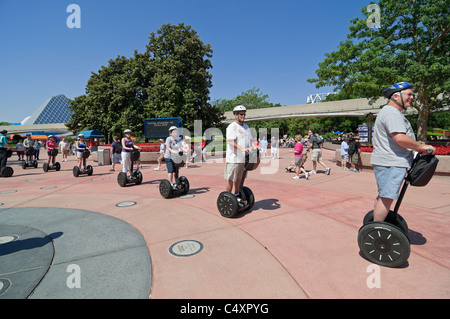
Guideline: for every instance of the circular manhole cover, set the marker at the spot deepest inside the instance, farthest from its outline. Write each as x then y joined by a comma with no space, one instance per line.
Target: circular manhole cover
186,248
187,196
8,238
4,285
126,204
8,192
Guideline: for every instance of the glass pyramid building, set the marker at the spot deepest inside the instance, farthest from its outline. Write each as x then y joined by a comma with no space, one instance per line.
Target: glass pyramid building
54,110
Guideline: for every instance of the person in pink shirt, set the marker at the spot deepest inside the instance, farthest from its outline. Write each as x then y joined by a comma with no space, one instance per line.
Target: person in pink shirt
298,158
51,145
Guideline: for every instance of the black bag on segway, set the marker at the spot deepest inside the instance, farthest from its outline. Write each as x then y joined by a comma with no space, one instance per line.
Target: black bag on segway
85,154
422,170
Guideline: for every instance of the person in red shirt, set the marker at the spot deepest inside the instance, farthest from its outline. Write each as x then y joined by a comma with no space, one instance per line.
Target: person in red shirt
51,145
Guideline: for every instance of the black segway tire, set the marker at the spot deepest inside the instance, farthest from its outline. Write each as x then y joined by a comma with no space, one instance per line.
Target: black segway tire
24,165
165,188
250,197
7,171
139,178
35,164
390,218
90,170
122,179
57,166
384,244
184,185
76,171
45,167
227,205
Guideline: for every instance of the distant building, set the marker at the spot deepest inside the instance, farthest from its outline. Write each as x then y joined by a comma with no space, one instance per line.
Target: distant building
54,110
317,98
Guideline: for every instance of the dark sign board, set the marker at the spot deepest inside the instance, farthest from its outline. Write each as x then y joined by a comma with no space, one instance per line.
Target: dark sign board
159,128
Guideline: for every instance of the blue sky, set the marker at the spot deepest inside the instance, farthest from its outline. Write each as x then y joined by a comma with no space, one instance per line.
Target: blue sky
271,45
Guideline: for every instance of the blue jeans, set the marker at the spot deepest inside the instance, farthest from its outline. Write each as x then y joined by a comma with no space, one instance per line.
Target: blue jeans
389,180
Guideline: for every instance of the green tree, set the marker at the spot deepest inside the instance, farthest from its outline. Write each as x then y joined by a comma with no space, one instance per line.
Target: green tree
179,87
412,44
251,98
114,98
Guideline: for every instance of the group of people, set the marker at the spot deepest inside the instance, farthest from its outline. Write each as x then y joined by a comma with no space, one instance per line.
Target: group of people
312,144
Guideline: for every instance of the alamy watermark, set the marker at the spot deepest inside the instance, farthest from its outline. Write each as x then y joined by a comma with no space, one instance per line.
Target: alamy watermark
74,19
374,20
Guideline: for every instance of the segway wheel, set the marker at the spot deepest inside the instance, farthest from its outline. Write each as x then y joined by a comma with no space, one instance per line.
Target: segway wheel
184,185
165,188
45,167
384,244
90,170
122,179
76,171
250,197
24,165
391,218
57,166
35,164
7,172
227,205
139,178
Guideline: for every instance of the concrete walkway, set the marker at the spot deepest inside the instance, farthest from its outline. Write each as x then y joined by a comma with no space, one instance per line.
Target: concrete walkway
64,237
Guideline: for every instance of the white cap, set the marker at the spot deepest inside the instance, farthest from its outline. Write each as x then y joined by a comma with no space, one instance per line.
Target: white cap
173,128
127,131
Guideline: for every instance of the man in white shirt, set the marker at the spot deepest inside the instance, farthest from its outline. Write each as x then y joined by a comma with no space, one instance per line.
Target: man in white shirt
238,138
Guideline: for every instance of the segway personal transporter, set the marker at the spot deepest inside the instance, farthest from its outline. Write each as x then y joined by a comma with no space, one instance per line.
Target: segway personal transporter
181,186
135,175
228,204
55,166
7,171
86,169
386,243
32,162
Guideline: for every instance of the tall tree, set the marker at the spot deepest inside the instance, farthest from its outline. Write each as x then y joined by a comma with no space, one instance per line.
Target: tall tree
411,44
180,85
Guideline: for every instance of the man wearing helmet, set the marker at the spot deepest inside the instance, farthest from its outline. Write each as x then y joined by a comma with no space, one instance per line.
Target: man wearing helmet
393,142
238,138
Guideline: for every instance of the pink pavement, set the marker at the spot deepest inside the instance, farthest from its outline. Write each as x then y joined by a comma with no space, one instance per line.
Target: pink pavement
299,240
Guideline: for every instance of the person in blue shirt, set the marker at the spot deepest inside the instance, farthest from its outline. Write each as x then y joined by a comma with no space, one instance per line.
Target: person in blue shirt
344,154
3,148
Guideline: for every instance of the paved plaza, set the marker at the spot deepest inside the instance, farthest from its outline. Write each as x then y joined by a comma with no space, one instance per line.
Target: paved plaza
86,237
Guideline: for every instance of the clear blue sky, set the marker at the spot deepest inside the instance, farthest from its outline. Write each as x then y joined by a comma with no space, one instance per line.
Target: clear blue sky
271,45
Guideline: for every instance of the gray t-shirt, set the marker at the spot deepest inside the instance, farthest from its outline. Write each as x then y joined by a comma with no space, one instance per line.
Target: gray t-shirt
386,151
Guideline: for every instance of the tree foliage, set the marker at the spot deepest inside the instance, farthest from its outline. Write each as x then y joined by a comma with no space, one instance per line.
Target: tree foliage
170,79
412,44
251,99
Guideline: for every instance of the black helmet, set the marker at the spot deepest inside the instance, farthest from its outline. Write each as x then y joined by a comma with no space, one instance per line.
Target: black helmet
397,87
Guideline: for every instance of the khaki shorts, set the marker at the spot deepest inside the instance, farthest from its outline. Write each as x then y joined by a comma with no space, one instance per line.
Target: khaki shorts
233,171
316,155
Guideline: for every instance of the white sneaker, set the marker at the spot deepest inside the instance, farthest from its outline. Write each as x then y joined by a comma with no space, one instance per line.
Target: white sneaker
328,170
312,172
295,177
307,175
156,168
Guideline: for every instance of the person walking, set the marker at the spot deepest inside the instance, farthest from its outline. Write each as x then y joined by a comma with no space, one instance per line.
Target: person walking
298,158
116,150
344,154
316,152
393,141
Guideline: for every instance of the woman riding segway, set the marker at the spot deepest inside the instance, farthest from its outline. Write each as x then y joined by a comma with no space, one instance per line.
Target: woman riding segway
83,153
52,152
130,155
